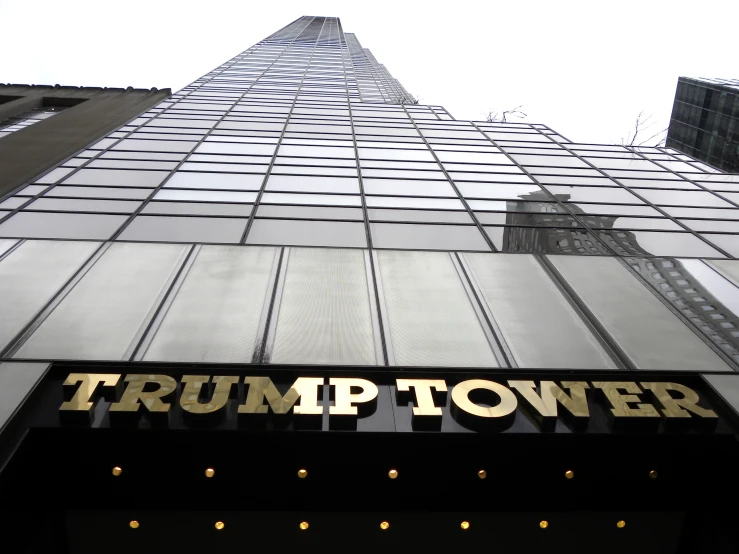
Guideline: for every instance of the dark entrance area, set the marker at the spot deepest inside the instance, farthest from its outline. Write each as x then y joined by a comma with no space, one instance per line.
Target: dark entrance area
169,486
60,495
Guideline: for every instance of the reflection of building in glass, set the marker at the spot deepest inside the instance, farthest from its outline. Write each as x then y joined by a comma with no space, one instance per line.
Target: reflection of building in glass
562,234
705,121
674,282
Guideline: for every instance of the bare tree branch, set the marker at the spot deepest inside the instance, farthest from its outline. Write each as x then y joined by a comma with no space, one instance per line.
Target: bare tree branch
642,125
502,117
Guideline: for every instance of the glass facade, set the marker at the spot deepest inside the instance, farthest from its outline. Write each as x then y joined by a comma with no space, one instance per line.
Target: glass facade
705,121
297,206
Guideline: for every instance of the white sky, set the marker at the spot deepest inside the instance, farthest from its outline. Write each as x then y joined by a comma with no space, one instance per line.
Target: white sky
586,68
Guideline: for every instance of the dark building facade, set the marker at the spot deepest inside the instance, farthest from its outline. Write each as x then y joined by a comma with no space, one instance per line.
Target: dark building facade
289,307
705,121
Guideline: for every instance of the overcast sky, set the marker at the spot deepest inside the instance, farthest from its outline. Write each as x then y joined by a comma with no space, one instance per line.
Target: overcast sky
585,69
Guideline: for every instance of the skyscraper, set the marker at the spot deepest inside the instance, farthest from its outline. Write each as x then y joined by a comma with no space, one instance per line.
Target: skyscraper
705,121
290,283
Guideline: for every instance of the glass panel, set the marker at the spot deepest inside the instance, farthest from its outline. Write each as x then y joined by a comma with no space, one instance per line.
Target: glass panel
539,325
431,320
216,313
194,208
31,274
427,237
318,199
324,315
729,243
484,190
70,205
645,329
13,202
593,194
61,225
709,299
419,216
656,243
223,181
307,233
100,317
682,198
116,178
409,202
611,209
289,183
185,229
729,268
408,188
6,244
552,240
309,212
98,192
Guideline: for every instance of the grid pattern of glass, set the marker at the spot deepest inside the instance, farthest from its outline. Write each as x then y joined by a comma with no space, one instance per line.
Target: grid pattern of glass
297,206
705,121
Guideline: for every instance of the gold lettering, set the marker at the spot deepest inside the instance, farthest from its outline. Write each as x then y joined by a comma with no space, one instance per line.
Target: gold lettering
546,404
134,394
673,407
461,399
304,389
193,387
620,402
345,400
424,400
82,399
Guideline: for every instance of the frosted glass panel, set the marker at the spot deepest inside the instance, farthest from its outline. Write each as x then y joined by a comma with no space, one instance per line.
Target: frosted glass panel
648,332
216,313
537,322
100,317
324,316
431,320
30,275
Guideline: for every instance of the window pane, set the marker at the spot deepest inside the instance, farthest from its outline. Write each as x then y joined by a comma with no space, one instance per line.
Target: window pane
290,183
408,188
324,315
309,212
61,225
428,216
307,233
431,320
98,192
116,178
101,316
710,300
185,229
657,244
31,274
427,237
537,322
70,205
215,315
223,181
645,329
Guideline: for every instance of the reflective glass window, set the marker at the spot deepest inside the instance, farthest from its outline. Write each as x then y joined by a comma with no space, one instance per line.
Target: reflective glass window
104,315
430,315
538,324
215,314
642,326
324,313
31,274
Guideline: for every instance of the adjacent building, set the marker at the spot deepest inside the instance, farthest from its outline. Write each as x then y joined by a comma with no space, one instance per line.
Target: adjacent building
289,302
705,121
